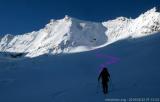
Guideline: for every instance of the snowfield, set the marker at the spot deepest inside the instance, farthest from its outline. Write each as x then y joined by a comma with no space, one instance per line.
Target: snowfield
44,66
73,77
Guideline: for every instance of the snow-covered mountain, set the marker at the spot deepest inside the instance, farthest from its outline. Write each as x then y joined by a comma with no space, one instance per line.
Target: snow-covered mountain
64,35
70,35
146,24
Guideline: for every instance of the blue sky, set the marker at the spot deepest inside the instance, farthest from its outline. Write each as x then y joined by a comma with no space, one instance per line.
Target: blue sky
21,16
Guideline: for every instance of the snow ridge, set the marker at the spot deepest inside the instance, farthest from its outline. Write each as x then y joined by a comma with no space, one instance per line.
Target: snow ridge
70,35
121,28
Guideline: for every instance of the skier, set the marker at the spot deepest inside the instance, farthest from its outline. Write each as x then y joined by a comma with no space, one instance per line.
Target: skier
104,75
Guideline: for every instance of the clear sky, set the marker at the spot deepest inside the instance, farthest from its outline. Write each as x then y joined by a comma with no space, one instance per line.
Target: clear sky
22,16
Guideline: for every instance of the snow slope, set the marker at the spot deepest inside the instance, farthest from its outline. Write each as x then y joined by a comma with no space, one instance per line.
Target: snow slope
69,35
73,77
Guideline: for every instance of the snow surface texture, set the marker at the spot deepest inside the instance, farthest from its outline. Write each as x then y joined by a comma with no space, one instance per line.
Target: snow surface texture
70,35
73,77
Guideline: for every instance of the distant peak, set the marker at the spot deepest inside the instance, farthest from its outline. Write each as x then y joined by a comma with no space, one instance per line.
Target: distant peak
66,17
69,18
154,9
122,18
52,20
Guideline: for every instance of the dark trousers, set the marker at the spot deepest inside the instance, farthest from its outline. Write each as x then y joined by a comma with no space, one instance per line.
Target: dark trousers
105,87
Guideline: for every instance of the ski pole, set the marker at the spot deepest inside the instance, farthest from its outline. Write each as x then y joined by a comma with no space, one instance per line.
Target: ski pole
111,84
98,84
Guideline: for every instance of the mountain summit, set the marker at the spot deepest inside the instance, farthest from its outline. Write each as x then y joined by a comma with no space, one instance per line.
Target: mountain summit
69,35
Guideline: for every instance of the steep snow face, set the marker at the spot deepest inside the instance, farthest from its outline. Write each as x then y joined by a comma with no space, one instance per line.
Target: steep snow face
71,35
64,35
121,28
